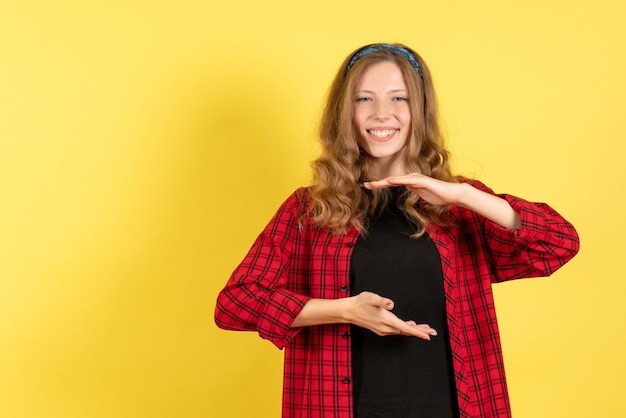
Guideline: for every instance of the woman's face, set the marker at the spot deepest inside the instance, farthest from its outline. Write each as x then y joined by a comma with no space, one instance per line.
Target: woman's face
382,117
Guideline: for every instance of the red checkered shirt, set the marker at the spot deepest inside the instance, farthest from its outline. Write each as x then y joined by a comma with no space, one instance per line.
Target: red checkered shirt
288,265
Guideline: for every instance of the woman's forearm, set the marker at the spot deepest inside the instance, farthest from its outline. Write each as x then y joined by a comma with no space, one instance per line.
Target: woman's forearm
320,312
490,206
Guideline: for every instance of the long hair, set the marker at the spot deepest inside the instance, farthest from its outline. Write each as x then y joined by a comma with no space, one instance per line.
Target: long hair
338,199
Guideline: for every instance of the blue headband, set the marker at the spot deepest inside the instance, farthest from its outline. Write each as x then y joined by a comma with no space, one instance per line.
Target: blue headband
389,47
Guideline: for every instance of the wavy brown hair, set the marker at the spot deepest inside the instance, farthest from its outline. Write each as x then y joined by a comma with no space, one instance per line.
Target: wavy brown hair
338,198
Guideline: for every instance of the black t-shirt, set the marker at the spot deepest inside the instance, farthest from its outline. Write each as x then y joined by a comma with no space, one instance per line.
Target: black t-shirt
401,376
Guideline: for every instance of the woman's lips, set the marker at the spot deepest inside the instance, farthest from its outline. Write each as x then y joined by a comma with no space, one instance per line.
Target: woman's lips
382,135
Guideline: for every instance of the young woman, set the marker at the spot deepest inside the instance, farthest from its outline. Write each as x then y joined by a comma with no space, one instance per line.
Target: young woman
376,280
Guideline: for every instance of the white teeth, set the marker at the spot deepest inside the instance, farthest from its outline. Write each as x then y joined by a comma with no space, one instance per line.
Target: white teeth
382,134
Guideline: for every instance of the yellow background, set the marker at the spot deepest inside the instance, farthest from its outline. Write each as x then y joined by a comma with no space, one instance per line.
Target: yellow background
144,144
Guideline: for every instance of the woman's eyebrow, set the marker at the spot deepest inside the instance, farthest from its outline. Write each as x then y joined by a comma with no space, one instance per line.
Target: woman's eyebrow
387,92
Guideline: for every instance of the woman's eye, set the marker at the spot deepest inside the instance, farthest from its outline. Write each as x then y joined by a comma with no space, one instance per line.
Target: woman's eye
400,99
363,99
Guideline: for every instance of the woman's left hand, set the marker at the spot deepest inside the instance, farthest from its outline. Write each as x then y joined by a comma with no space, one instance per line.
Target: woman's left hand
439,193
433,191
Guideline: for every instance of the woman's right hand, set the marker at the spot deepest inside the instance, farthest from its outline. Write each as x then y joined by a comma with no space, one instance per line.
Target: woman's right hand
371,311
367,310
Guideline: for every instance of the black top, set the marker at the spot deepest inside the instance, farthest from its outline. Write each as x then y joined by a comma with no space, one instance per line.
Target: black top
401,376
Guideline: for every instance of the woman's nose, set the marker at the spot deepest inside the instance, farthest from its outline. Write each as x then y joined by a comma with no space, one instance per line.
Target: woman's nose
381,110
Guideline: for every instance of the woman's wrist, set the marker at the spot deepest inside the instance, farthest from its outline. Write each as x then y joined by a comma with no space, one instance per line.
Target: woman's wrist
323,311
464,195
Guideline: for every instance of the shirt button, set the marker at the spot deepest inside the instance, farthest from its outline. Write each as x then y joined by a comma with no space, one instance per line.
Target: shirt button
346,380
350,245
344,288
345,336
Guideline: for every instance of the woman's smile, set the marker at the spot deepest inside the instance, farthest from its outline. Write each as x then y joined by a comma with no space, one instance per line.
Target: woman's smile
382,134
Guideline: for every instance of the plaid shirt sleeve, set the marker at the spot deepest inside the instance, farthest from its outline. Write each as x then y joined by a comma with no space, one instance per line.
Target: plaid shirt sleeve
256,297
544,242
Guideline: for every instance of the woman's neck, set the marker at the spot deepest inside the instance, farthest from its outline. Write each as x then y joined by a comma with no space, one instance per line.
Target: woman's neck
380,169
